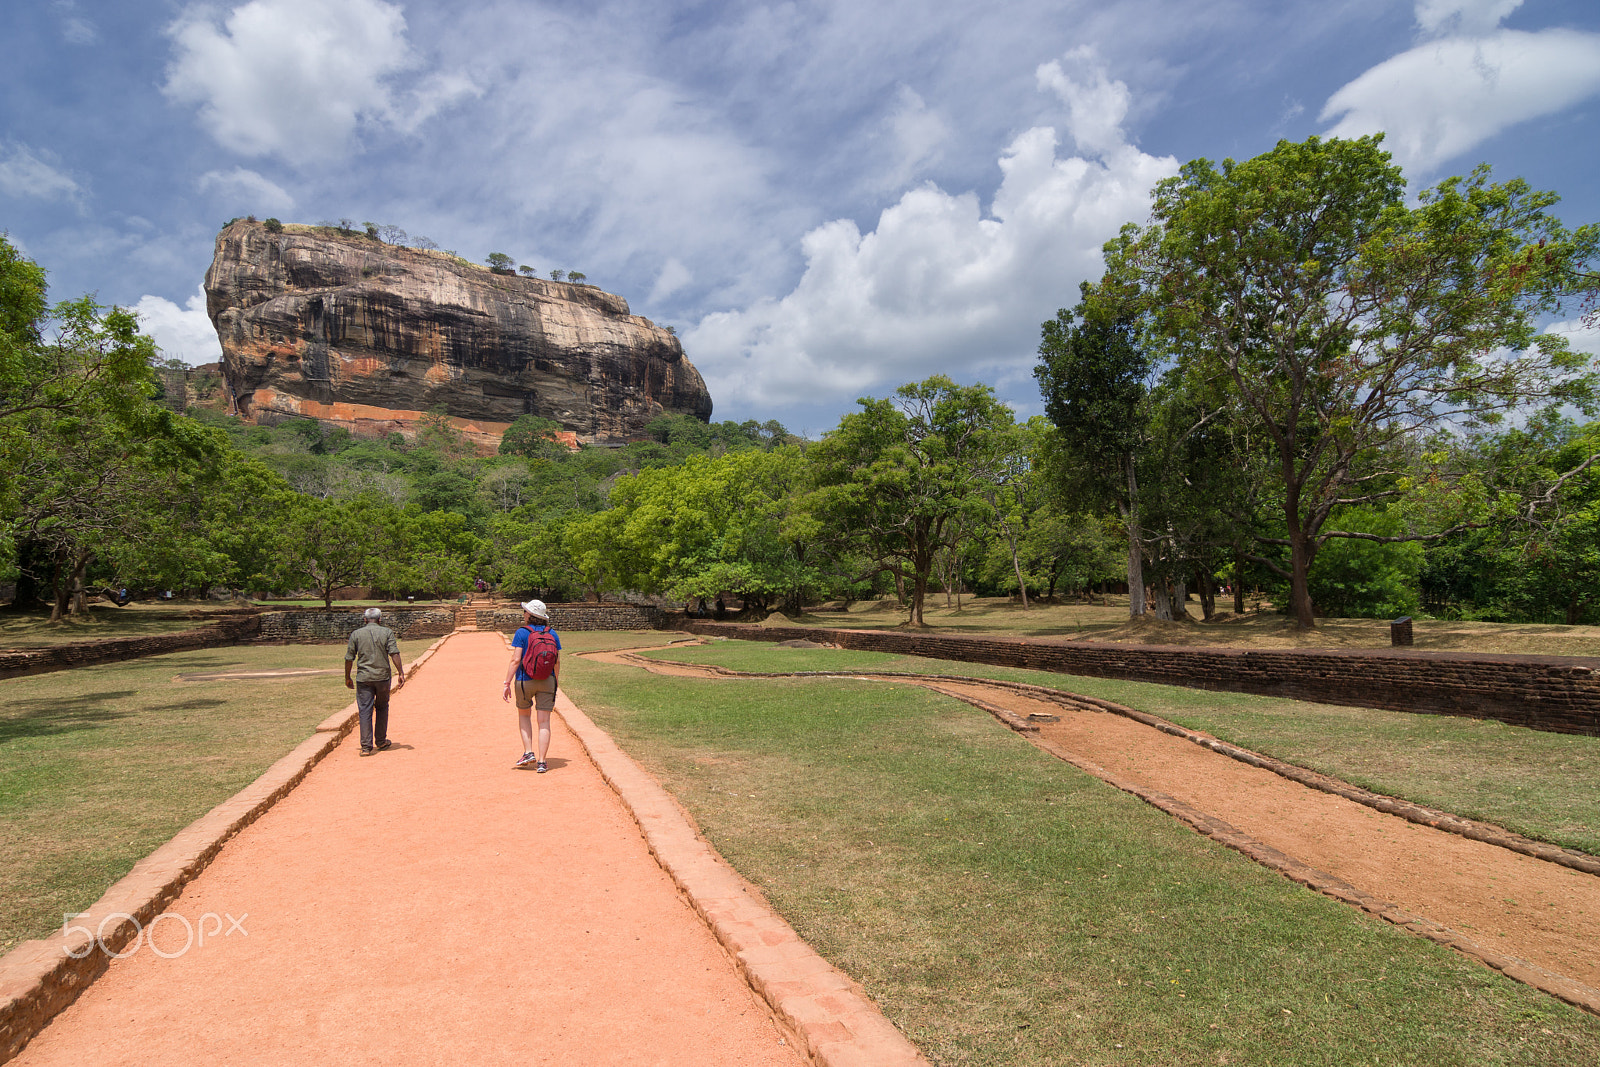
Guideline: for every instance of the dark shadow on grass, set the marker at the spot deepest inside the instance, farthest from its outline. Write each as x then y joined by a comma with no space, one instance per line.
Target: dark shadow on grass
190,705
46,718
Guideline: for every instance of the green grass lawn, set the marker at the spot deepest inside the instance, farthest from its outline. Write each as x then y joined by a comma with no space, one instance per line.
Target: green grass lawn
1108,621
1004,908
33,629
1543,785
101,765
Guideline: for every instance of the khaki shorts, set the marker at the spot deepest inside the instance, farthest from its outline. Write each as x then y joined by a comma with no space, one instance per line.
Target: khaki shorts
538,692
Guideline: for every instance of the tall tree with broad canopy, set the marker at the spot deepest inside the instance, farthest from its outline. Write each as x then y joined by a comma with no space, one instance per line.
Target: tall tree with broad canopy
894,475
1299,290
1095,375
88,461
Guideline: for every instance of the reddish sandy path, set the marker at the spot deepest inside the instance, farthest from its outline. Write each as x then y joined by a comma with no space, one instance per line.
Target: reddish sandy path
1507,903
431,905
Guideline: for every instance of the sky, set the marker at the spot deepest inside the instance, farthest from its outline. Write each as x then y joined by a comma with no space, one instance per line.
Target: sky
825,199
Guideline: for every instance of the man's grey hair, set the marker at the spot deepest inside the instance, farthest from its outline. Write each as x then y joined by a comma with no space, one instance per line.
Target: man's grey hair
372,613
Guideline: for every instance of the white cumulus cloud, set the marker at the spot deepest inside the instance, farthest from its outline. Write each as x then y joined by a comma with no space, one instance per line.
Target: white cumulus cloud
182,333
1582,334
1469,82
245,190
27,173
673,277
295,78
940,285
1467,17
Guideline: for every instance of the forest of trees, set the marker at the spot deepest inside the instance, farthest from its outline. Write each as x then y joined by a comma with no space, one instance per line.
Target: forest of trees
1290,378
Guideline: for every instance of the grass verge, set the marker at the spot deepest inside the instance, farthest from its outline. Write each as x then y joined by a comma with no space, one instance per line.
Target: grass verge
1542,785
1004,908
101,765
33,629
1081,621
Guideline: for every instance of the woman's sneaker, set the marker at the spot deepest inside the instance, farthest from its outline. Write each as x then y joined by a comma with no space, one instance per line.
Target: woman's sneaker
527,760
541,768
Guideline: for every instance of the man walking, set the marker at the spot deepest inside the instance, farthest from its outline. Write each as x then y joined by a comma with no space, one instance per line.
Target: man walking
534,693
371,648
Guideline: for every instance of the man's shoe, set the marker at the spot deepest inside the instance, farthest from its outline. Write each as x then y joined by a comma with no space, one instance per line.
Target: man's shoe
385,745
368,751
527,759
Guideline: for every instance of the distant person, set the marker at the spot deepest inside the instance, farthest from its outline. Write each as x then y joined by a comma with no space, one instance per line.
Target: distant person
534,689
372,648
722,609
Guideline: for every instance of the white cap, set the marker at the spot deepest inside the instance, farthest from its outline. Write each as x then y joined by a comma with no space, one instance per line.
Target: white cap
537,609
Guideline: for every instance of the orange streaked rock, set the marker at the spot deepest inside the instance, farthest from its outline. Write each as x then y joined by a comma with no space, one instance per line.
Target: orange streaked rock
356,333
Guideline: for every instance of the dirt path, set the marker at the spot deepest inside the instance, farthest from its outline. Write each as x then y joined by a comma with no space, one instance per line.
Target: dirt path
1508,904
430,905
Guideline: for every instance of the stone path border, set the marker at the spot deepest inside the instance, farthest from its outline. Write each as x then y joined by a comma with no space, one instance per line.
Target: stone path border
40,978
829,1017
1224,833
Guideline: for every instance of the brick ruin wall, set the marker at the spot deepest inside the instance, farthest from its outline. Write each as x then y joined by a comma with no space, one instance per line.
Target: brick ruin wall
315,624
579,617
1560,694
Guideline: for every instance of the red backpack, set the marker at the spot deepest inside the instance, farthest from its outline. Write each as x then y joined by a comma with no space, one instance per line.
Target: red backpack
539,658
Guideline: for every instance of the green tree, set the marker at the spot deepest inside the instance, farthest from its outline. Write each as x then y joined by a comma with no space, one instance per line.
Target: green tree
533,436
892,479
86,457
1095,376
326,545
500,263
715,525
1339,321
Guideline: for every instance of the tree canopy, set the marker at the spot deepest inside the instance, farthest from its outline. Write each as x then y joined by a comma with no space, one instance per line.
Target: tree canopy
1300,291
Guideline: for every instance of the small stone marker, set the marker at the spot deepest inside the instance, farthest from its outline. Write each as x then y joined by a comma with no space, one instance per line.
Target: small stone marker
1400,631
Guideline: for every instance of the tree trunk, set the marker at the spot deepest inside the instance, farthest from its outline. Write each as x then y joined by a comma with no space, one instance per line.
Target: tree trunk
1163,601
1238,583
1180,598
1208,595
80,602
1135,552
58,590
1016,565
1300,556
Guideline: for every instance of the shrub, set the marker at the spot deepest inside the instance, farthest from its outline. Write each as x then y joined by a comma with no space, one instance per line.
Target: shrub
273,226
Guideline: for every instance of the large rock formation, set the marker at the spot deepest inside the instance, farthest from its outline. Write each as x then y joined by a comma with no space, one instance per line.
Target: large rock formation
342,328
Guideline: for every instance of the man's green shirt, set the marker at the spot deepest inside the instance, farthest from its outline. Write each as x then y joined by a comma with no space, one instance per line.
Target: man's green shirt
371,646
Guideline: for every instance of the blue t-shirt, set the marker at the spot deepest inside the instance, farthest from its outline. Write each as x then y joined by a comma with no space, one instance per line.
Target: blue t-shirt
520,641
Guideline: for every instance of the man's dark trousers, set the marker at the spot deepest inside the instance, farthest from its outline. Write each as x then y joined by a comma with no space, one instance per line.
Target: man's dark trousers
370,697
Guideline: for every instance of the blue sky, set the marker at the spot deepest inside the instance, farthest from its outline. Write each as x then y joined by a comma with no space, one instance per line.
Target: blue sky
825,199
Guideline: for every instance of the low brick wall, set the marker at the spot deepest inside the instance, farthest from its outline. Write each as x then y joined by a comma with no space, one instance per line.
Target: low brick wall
315,624
579,617
1560,694
60,657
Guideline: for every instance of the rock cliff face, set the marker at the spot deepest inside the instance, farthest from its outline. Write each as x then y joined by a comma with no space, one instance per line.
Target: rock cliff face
315,323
